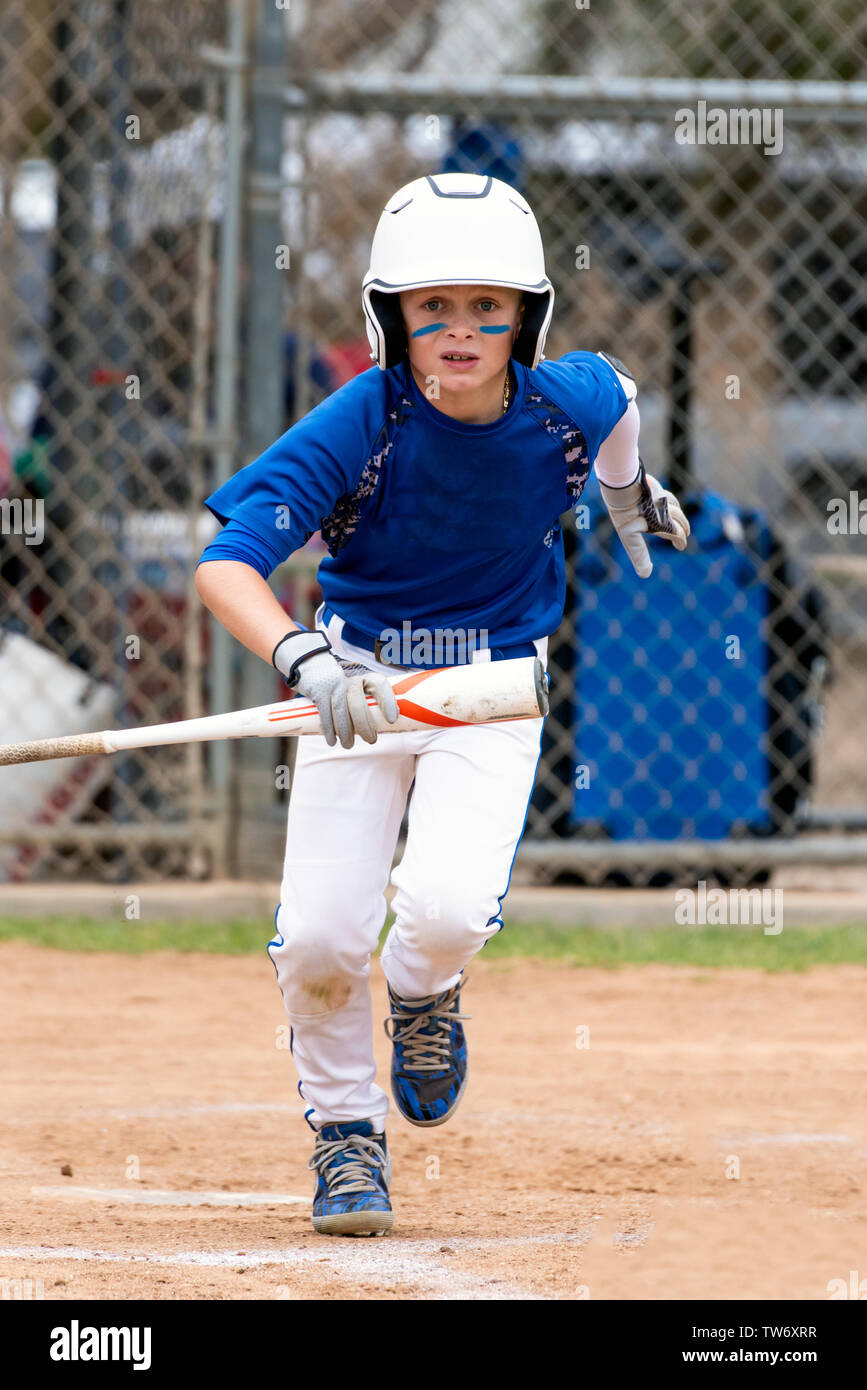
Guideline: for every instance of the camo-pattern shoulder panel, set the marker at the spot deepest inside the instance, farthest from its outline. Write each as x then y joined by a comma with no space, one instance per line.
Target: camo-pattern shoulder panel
339,528
563,428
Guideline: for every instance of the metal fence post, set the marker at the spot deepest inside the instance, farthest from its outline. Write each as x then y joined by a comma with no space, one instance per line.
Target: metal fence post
264,393
226,398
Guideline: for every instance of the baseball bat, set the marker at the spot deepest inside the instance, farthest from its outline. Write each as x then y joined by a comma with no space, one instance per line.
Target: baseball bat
476,693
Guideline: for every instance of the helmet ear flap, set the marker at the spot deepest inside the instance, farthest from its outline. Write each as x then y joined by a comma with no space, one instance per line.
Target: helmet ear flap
530,339
388,325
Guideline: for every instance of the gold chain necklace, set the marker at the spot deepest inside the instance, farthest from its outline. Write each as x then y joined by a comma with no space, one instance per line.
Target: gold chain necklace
507,391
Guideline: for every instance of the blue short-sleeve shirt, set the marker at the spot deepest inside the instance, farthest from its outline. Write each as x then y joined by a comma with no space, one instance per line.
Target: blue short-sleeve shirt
427,519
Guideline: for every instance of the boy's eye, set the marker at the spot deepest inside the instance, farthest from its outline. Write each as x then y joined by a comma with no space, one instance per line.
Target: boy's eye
432,304
487,304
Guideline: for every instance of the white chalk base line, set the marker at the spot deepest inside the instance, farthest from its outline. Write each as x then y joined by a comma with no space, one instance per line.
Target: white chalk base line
155,1198
390,1260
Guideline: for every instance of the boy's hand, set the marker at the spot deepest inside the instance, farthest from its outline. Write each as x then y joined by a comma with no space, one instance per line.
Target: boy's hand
645,508
305,659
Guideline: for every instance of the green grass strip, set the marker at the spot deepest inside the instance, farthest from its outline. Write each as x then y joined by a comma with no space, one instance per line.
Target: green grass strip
795,948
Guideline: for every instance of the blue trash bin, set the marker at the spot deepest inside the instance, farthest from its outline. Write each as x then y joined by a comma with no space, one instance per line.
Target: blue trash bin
672,726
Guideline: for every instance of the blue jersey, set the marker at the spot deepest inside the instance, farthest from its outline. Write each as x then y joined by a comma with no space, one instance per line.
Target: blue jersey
428,520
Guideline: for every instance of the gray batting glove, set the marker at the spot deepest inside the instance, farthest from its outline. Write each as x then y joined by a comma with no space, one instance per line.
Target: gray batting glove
305,659
645,508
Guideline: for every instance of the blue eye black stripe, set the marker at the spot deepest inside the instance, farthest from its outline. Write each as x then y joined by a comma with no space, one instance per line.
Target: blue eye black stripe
494,328
428,328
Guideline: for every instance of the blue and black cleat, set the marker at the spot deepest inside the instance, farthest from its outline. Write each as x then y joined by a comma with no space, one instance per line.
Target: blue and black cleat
429,1061
353,1171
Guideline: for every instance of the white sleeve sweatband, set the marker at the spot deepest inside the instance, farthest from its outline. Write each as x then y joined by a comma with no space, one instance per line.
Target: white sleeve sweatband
617,460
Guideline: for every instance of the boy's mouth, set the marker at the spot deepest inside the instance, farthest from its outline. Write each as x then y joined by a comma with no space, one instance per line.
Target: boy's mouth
459,359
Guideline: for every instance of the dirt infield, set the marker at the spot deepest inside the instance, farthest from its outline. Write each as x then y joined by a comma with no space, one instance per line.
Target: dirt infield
604,1170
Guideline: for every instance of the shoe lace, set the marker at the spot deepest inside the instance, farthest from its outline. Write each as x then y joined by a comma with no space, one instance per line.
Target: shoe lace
363,1155
426,1036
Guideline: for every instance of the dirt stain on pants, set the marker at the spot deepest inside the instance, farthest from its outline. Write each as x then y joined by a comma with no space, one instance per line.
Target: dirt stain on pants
326,993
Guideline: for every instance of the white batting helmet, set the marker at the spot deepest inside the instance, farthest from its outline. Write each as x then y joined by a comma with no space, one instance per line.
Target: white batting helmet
455,229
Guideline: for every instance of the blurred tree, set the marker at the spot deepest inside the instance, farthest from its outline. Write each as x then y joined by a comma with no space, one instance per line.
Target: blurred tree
795,39
343,32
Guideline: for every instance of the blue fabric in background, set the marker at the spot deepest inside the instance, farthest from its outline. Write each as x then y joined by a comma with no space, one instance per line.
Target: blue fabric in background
487,148
672,732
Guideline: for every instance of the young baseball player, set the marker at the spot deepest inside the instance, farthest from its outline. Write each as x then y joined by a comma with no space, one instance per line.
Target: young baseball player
437,479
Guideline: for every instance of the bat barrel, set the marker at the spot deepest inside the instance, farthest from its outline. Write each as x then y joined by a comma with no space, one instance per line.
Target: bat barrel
540,680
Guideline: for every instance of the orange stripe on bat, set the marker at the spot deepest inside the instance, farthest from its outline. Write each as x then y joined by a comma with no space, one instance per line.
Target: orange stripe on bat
426,716
413,711
292,714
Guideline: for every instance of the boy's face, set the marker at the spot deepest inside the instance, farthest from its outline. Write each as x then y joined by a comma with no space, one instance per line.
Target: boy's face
462,335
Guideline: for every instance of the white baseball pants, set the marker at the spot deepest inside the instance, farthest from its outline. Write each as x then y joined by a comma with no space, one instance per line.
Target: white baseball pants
471,788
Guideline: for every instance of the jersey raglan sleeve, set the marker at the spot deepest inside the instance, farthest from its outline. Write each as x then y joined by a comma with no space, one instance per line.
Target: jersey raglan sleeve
596,399
273,506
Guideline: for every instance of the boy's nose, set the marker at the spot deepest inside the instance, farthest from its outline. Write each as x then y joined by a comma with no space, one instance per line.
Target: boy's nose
461,326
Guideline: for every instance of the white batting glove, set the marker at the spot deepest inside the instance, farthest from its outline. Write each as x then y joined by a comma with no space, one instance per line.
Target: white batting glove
305,659
645,508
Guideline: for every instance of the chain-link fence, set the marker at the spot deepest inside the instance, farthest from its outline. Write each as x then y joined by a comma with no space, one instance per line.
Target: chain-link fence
110,159
699,177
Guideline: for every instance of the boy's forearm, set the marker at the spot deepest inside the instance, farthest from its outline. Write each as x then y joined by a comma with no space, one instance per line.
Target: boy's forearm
244,603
